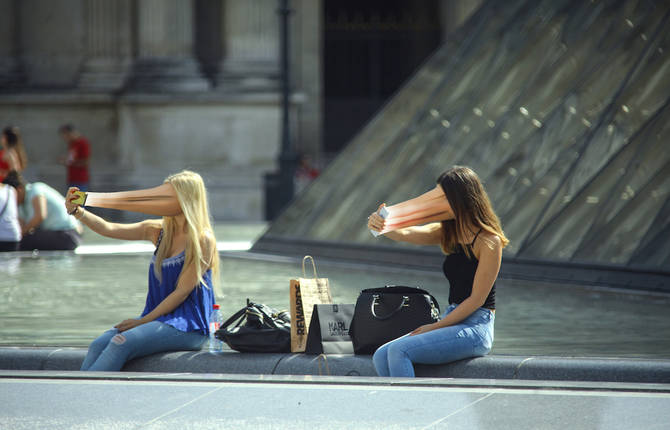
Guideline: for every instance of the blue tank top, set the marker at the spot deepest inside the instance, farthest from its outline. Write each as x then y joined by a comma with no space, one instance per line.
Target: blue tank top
193,313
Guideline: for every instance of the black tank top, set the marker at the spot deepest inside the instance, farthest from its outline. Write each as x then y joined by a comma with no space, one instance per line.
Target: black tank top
460,271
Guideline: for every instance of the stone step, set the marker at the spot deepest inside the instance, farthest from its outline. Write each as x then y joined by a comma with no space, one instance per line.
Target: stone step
630,370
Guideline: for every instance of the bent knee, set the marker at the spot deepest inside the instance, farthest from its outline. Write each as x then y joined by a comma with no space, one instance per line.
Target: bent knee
396,349
119,339
379,354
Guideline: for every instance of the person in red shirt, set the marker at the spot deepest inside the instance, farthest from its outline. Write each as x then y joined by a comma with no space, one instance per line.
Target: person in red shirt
4,164
77,161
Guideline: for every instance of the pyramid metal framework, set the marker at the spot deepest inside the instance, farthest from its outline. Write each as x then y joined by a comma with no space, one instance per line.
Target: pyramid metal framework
561,107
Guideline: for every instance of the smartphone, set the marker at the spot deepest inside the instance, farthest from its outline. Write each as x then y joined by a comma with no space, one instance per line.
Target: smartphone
384,214
80,199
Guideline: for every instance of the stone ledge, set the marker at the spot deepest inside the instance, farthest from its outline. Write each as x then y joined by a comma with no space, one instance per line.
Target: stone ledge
76,97
230,362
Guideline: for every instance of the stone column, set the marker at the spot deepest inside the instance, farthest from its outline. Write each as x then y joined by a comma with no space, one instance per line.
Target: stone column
308,34
108,44
251,46
165,59
51,35
10,69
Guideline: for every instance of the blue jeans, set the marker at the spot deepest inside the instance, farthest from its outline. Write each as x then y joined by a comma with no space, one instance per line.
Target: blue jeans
472,337
112,349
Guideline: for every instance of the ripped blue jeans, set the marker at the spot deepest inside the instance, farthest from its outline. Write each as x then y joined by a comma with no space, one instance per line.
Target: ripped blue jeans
472,337
113,349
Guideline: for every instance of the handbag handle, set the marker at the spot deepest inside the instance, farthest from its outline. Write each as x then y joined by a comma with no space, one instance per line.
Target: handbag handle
267,318
313,266
234,317
375,298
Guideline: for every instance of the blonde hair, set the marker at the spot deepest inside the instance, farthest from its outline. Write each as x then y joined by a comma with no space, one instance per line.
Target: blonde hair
201,245
472,210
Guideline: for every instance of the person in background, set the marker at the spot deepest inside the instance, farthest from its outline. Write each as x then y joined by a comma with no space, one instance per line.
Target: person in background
10,230
12,154
305,173
77,160
4,162
472,239
45,224
182,276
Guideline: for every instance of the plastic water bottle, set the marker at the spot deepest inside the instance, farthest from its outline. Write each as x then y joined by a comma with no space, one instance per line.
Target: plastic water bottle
215,320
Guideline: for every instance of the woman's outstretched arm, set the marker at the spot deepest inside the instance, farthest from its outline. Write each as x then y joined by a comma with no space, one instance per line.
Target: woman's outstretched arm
144,230
429,234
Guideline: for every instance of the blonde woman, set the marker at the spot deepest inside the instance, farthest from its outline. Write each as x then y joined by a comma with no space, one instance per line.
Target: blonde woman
181,279
473,240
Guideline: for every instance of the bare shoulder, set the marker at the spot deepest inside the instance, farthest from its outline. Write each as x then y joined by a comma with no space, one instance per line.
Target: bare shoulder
489,243
152,228
207,241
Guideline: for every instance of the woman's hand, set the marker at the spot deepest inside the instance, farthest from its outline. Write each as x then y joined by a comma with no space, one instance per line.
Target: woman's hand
375,221
69,206
424,329
127,324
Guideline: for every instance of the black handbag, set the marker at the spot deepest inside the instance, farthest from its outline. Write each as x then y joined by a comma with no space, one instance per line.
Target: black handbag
257,328
384,314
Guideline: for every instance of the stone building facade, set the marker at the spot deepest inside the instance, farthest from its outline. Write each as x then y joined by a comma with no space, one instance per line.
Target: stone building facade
162,85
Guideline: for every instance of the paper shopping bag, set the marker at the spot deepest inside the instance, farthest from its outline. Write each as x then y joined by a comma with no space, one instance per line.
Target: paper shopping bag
304,294
329,330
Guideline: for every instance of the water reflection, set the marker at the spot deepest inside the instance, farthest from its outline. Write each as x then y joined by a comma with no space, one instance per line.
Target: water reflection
69,299
10,264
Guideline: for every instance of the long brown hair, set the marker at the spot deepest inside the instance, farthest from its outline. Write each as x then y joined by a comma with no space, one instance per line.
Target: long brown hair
472,209
13,138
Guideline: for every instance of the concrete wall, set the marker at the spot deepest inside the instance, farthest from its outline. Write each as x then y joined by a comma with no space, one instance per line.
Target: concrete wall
138,140
129,76
162,85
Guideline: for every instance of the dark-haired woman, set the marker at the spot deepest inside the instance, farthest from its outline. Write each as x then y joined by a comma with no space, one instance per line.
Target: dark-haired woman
12,154
472,239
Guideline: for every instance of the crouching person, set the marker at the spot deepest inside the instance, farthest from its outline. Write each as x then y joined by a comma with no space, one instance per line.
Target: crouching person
45,224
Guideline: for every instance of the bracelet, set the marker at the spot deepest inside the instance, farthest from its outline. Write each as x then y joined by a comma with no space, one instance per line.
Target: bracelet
74,211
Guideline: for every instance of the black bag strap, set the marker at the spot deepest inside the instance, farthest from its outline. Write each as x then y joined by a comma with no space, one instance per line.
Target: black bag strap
267,317
241,313
264,316
396,289
375,299
401,289
158,241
